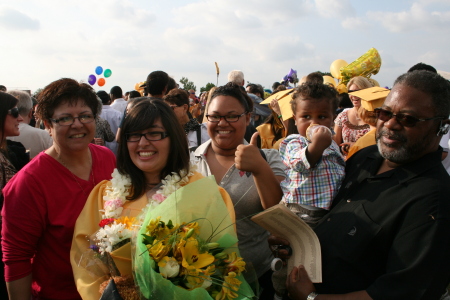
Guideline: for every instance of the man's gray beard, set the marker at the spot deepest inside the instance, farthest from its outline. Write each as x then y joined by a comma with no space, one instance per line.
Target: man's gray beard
402,155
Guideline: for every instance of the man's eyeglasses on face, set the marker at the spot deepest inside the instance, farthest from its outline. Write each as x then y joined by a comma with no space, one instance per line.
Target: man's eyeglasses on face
149,136
228,118
69,120
403,119
173,106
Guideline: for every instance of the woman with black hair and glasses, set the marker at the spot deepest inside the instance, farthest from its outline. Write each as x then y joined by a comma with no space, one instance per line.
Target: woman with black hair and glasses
251,178
43,200
9,120
152,145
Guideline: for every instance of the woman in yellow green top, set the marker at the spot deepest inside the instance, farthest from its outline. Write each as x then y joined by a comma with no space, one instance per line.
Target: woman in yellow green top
152,147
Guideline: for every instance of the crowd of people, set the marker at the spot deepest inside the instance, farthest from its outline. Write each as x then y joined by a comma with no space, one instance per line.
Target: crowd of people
370,180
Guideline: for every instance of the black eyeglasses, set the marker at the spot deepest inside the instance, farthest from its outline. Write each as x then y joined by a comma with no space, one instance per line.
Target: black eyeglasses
149,136
228,118
69,120
14,112
403,119
351,91
174,106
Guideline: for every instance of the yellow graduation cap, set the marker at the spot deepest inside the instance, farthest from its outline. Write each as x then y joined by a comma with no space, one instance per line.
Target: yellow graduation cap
372,98
284,99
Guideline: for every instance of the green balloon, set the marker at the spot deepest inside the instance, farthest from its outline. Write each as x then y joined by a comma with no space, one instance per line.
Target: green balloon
107,73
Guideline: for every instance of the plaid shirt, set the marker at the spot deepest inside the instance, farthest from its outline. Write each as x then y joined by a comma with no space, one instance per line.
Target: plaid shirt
315,186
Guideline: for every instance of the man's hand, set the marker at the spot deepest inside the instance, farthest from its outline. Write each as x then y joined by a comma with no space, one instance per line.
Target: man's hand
298,283
276,241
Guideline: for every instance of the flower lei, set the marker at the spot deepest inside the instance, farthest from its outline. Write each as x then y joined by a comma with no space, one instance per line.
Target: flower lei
114,228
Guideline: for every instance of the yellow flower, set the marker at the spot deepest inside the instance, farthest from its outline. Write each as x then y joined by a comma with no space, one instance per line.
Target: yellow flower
229,287
199,278
192,257
177,250
235,263
158,250
155,229
185,228
152,225
129,222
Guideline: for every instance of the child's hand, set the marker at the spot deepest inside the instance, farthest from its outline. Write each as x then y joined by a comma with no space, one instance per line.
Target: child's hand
321,139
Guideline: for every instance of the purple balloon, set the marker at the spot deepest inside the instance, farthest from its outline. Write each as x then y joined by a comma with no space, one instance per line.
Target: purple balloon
92,79
292,76
98,70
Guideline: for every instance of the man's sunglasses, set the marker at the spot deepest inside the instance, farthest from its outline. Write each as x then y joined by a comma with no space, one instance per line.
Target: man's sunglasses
403,119
14,112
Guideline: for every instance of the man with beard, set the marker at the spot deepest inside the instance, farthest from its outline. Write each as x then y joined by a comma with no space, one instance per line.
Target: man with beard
387,235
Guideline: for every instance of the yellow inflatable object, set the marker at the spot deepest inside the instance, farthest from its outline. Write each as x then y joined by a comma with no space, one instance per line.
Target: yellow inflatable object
329,80
336,66
366,65
341,88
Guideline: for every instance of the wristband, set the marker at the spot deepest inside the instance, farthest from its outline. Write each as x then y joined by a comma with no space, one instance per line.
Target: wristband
280,116
312,296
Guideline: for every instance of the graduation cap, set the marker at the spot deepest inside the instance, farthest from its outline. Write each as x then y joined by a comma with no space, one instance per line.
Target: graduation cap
371,98
284,98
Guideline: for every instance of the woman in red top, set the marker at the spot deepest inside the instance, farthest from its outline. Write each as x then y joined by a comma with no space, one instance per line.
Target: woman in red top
44,199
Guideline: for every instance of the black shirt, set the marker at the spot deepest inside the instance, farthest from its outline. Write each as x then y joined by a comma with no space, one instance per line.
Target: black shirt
388,234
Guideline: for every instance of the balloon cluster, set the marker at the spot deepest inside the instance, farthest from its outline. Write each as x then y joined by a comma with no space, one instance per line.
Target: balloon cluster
92,79
366,65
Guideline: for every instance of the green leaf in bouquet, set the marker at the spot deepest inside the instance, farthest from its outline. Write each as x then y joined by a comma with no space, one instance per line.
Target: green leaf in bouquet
148,240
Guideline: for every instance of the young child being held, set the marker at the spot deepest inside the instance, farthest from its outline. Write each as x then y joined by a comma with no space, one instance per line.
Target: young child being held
316,167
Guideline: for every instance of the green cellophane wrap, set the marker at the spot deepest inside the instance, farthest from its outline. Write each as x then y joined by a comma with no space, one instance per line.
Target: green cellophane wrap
198,201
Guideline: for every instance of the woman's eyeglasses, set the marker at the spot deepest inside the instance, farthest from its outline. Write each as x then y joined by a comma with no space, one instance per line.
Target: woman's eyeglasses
69,120
14,112
228,118
403,119
149,136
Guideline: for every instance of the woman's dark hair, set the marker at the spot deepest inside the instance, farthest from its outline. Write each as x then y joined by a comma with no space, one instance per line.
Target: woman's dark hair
344,101
134,94
276,125
7,102
178,97
233,90
65,90
314,91
143,115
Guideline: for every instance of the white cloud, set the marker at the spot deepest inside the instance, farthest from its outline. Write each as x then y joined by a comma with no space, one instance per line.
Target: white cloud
355,23
334,9
16,20
416,18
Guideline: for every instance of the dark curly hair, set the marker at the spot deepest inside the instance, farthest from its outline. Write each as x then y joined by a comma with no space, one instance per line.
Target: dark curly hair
65,90
314,91
143,115
233,90
432,84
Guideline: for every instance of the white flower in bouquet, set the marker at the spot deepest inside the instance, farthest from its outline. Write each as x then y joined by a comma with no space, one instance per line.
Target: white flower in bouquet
169,267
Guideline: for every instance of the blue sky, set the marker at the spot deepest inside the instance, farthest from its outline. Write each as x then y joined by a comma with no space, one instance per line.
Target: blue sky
48,39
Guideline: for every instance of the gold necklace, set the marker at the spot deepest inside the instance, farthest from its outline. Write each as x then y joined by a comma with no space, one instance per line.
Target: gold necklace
75,177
